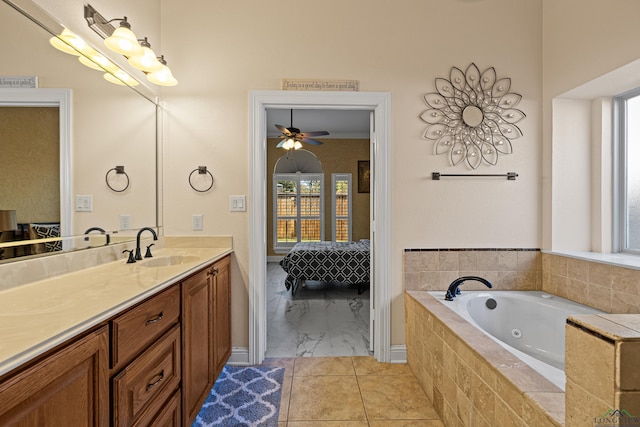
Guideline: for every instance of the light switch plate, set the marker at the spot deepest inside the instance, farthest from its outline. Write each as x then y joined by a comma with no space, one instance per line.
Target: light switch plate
84,203
197,222
237,203
125,222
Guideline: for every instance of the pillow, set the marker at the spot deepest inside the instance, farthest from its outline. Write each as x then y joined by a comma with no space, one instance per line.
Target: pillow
45,231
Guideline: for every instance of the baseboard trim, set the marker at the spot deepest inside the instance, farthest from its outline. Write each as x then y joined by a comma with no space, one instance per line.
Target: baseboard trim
398,354
239,356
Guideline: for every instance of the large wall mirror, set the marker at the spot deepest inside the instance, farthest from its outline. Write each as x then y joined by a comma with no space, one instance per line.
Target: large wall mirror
65,139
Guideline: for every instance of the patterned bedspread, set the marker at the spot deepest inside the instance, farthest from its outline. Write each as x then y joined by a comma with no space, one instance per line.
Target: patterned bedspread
342,262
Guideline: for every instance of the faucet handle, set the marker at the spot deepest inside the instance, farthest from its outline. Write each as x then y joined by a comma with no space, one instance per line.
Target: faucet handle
148,254
131,259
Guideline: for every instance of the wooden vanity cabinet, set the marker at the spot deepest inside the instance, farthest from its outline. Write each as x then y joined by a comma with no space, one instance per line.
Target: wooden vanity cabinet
70,387
151,365
222,314
206,326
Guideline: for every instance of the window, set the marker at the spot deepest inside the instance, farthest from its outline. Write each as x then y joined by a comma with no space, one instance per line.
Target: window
627,137
299,207
341,206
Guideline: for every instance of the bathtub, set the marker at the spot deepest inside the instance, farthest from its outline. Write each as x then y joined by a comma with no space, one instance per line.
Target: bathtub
529,324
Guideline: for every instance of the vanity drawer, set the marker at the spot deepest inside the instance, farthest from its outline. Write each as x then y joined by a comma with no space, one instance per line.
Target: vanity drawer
146,383
133,331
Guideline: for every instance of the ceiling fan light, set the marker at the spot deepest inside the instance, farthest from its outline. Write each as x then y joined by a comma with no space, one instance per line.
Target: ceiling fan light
124,41
288,144
297,145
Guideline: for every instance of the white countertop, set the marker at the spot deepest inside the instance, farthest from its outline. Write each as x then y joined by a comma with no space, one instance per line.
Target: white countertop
38,316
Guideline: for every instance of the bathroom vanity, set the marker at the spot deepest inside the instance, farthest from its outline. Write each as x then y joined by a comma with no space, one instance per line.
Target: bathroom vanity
131,345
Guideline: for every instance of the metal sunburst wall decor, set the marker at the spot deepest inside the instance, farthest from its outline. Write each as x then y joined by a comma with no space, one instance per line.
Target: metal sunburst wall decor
472,116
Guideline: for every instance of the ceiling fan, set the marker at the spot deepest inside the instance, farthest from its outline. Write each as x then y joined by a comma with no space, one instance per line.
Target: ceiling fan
293,138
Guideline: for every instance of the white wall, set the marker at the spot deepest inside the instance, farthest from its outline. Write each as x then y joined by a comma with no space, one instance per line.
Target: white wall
590,51
221,50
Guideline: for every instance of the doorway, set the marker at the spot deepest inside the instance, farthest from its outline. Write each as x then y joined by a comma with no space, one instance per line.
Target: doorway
379,105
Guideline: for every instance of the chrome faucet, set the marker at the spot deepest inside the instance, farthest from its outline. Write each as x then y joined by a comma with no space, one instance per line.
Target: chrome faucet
155,237
101,230
453,287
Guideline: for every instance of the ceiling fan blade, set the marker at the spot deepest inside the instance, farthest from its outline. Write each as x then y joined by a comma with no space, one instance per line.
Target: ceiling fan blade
318,133
311,141
284,130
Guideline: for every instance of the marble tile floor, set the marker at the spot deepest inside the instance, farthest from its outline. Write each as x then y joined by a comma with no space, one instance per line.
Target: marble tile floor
322,319
351,392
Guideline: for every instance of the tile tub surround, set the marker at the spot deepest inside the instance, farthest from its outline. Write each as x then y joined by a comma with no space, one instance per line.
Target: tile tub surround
470,379
610,288
435,269
609,378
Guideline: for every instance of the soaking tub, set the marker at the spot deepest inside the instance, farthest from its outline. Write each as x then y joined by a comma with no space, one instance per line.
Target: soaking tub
529,324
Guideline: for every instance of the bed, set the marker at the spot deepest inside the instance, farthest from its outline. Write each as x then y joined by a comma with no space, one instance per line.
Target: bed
340,262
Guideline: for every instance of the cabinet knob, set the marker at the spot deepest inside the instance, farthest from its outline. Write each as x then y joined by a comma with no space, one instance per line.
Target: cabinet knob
213,271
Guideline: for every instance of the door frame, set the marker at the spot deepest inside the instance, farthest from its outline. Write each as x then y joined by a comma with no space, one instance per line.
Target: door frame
380,104
61,98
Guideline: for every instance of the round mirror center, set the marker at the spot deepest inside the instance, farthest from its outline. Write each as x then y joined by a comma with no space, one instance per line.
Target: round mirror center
472,116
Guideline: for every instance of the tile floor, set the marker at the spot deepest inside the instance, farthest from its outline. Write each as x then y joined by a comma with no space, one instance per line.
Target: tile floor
320,320
351,392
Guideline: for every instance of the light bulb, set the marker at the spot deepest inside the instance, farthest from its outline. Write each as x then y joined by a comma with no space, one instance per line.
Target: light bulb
121,78
162,77
148,61
97,61
124,41
68,42
288,144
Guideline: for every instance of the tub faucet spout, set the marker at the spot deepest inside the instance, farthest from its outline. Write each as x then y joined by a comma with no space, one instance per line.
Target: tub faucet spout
453,287
155,237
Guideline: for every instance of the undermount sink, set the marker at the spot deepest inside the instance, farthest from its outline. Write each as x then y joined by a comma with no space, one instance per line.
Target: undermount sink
165,261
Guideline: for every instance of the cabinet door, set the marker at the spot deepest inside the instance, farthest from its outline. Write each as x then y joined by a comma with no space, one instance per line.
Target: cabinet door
68,388
197,348
221,314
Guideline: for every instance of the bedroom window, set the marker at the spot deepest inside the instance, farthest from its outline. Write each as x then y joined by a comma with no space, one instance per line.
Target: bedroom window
298,209
341,206
627,138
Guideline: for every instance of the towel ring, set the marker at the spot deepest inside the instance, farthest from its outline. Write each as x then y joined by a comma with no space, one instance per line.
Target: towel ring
201,171
119,170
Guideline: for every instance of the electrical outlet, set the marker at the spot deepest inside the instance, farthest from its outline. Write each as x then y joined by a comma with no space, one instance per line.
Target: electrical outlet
84,203
197,222
125,222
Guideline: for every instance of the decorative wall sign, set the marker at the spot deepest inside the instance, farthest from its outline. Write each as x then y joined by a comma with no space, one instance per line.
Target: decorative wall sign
321,85
20,82
472,116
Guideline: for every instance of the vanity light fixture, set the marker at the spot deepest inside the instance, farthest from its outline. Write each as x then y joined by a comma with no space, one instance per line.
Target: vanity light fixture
138,52
121,78
123,40
68,42
148,61
163,76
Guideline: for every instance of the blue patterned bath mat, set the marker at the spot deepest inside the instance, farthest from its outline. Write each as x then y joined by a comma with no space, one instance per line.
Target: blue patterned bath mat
243,397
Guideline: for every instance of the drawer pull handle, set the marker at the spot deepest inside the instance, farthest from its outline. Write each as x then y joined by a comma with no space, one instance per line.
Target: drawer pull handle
154,383
213,272
155,319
